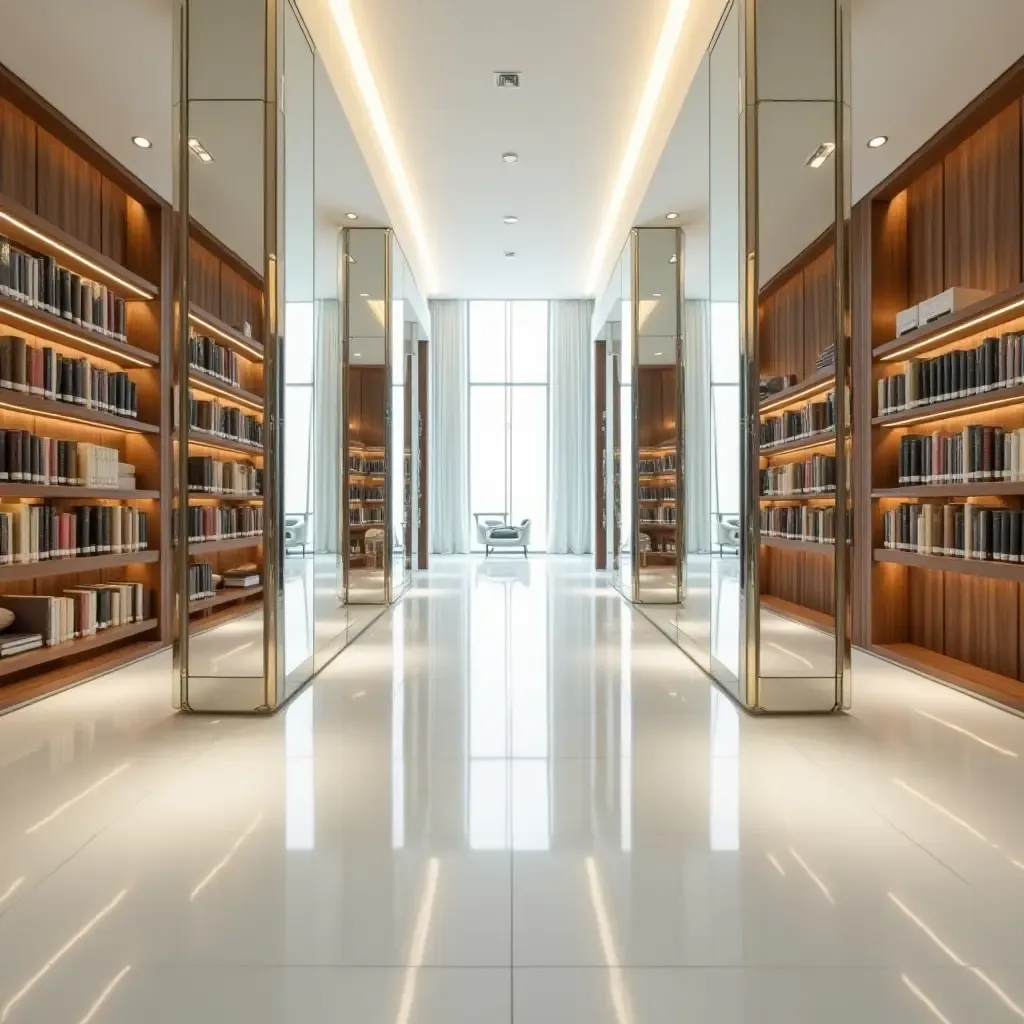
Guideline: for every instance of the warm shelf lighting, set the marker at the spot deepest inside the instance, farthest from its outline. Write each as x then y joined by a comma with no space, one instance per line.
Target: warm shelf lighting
984,318
142,142
821,154
878,141
938,413
95,424
107,351
77,257
199,381
230,338
811,389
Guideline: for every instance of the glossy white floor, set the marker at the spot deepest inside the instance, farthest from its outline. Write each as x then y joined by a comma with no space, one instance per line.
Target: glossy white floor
511,800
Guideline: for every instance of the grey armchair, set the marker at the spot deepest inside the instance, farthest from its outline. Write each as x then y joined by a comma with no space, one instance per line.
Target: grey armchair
495,533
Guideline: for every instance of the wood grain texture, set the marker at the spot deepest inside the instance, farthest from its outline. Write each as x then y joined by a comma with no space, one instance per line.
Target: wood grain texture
781,345
367,410
924,595
819,308
983,206
240,302
113,221
69,192
925,234
17,155
976,614
203,278
656,405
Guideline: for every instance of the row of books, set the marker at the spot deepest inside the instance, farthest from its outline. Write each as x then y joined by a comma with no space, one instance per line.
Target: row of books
976,453
46,373
207,475
366,466
815,476
955,530
42,283
794,424
208,522
206,356
359,516
37,533
661,464
227,421
33,459
657,516
817,525
365,493
656,493
203,581
995,363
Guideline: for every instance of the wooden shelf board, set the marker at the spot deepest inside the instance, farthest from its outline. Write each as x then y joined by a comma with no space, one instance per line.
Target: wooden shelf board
991,685
827,496
986,569
227,595
74,648
210,547
809,546
219,389
33,405
797,612
813,385
38,323
28,229
980,488
224,333
16,490
224,445
954,407
228,498
974,319
817,440
359,527
72,566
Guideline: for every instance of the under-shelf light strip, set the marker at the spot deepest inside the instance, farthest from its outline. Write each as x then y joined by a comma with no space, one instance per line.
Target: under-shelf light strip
108,351
200,383
45,413
78,257
769,450
230,338
948,414
810,389
995,314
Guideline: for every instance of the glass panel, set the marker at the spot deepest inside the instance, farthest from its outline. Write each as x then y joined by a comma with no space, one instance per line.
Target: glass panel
397,465
529,342
487,342
529,466
488,497
627,460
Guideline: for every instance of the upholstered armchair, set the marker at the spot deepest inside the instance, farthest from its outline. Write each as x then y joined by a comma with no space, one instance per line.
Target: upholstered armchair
495,533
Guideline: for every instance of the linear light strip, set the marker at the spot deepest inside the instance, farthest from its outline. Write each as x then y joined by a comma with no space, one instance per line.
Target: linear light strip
994,314
804,392
200,383
105,994
948,414
70,419
230,338
53,243
75,799
110,354
670,32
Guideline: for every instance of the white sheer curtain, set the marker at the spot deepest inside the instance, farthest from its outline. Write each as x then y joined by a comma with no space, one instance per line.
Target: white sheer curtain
570,434
448,445
327,426
697,426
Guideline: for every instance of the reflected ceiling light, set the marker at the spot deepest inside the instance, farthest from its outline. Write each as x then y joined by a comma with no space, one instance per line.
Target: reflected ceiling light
673,258
878,141
670,32
656,295
419,941
142,142
510,220
344,19
105,994
223,862
74,800
813,877
357,355
352,216
942,810
775,864
671,216
12,889
821,154
200,151
936,1012
658,354
510,158
364,295
966,732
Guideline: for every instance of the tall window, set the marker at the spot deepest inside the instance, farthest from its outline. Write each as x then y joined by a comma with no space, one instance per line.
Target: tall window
508,414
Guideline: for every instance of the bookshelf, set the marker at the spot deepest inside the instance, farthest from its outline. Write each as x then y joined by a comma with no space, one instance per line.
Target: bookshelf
950,216
84,281
225,437
798,439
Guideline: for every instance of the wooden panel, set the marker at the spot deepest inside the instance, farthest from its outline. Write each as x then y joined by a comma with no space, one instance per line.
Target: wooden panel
925,214
983,206
781,346
656,422
367,404
17,155
240,302
69,191
924,596
203,278
819,309
976,613
143,240
114,223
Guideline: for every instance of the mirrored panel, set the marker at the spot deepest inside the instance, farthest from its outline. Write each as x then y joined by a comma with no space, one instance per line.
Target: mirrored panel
625,423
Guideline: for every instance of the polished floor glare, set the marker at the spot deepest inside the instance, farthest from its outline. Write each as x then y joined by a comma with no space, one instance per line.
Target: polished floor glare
511,800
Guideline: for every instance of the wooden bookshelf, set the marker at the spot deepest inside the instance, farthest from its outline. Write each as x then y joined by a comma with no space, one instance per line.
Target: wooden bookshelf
949,216
806,546
213,547
62,196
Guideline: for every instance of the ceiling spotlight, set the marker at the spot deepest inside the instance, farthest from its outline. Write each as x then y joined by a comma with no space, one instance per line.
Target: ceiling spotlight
510,220
142,142
510,158
671,216
878,141
200,151
510,255
821,154
352,216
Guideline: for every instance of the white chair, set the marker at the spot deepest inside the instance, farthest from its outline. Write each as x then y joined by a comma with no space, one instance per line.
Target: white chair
494,533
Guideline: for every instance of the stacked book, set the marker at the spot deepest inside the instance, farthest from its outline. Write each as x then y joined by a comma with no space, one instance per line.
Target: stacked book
206,356
36,533
242,577
33,459
200,581
365,466
40,282
656,493
42,371
976,453
78,612
207,475
19,643
359,516
995,363
826,358
658,465
208,522
812,418
816,525
955,530
227,421
815,476
365,493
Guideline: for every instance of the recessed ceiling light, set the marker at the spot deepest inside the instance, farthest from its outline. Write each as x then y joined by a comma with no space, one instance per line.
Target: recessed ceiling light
352,216
357,355
364,295
510,255
510,220
142,142
673,258
656,295
821,154
878,141
200,151
659,353
510,158
671,216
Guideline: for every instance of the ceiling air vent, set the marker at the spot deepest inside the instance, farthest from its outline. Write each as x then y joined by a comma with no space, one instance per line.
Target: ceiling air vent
506,79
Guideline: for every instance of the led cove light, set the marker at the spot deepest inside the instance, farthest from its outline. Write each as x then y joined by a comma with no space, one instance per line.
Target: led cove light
878,141
821,154
345,21
670,32
142,142
107,352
